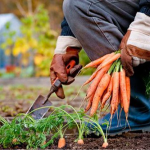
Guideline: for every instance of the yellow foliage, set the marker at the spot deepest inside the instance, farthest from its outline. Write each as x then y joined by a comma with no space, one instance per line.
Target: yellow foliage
25,58
42,73
21,46
16,51
33,43
38,59
24,48
7,52
25,62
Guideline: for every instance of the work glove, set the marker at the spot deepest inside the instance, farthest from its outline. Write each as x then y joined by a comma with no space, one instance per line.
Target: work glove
67,49
135,45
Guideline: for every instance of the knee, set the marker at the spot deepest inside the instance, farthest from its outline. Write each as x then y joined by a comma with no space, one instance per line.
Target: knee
69,8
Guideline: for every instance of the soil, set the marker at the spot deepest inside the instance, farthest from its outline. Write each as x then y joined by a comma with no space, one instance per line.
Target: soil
18,98
125,141
14,100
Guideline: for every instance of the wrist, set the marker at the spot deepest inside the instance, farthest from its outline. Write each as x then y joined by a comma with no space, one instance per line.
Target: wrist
65,42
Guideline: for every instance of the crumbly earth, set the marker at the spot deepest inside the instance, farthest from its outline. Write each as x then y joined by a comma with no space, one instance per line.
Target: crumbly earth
125,141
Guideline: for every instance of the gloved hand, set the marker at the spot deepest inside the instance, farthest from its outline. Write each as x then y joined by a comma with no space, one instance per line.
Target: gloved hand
135,45
60,61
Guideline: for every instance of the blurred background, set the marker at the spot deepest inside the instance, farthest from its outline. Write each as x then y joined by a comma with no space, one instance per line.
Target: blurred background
28,34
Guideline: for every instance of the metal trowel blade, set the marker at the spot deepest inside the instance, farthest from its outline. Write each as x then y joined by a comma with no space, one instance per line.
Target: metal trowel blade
36,110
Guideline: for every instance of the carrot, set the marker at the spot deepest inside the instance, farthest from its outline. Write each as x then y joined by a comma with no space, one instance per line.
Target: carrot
128,88
115,93
107,95
96,62
127,80
109,89
105,144
89,103
110,60
92,77
80,142
96,81
99,92
61,143
14,141
99,68
123,90
43,143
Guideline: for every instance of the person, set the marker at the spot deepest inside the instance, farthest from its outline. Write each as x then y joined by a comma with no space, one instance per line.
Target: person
101,27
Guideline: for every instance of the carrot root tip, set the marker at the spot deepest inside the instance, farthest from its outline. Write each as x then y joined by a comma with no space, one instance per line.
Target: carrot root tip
80,142
105,144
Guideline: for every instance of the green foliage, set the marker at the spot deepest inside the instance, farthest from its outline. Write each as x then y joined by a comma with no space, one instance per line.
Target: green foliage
33,133
146,79
143,71
37,41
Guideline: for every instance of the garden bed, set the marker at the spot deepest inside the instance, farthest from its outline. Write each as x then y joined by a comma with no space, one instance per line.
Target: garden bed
17,99
125,141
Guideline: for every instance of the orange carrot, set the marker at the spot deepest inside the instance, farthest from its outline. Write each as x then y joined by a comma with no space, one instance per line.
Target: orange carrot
96,62
115,93
91,77
80,142
107,95
105,144
89,103
128,92
14,141
110,60
99,68
128,88
43,143
99,92
123,90
92,88
61,143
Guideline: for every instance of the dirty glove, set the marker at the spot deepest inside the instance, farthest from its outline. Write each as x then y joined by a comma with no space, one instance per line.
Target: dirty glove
67,49
135,45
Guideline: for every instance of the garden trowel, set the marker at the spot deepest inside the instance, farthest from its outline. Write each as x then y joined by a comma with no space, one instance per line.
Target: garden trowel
42,104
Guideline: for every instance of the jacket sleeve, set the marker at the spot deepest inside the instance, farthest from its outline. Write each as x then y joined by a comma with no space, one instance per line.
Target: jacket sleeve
66,31
145,7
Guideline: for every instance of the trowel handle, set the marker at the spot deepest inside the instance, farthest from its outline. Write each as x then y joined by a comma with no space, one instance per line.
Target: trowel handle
57,82
70,66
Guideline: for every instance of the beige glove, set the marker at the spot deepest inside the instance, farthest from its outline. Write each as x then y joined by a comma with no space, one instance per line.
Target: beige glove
135,45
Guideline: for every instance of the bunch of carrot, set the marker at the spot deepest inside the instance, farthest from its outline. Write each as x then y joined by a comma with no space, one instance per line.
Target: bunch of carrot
109,83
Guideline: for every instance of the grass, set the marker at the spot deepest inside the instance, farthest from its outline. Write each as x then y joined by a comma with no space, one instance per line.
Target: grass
24,130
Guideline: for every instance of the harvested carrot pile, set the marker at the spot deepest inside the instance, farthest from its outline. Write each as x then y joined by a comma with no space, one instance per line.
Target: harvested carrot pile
109,83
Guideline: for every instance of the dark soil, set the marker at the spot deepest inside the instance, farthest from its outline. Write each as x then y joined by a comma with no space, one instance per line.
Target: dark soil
125,141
